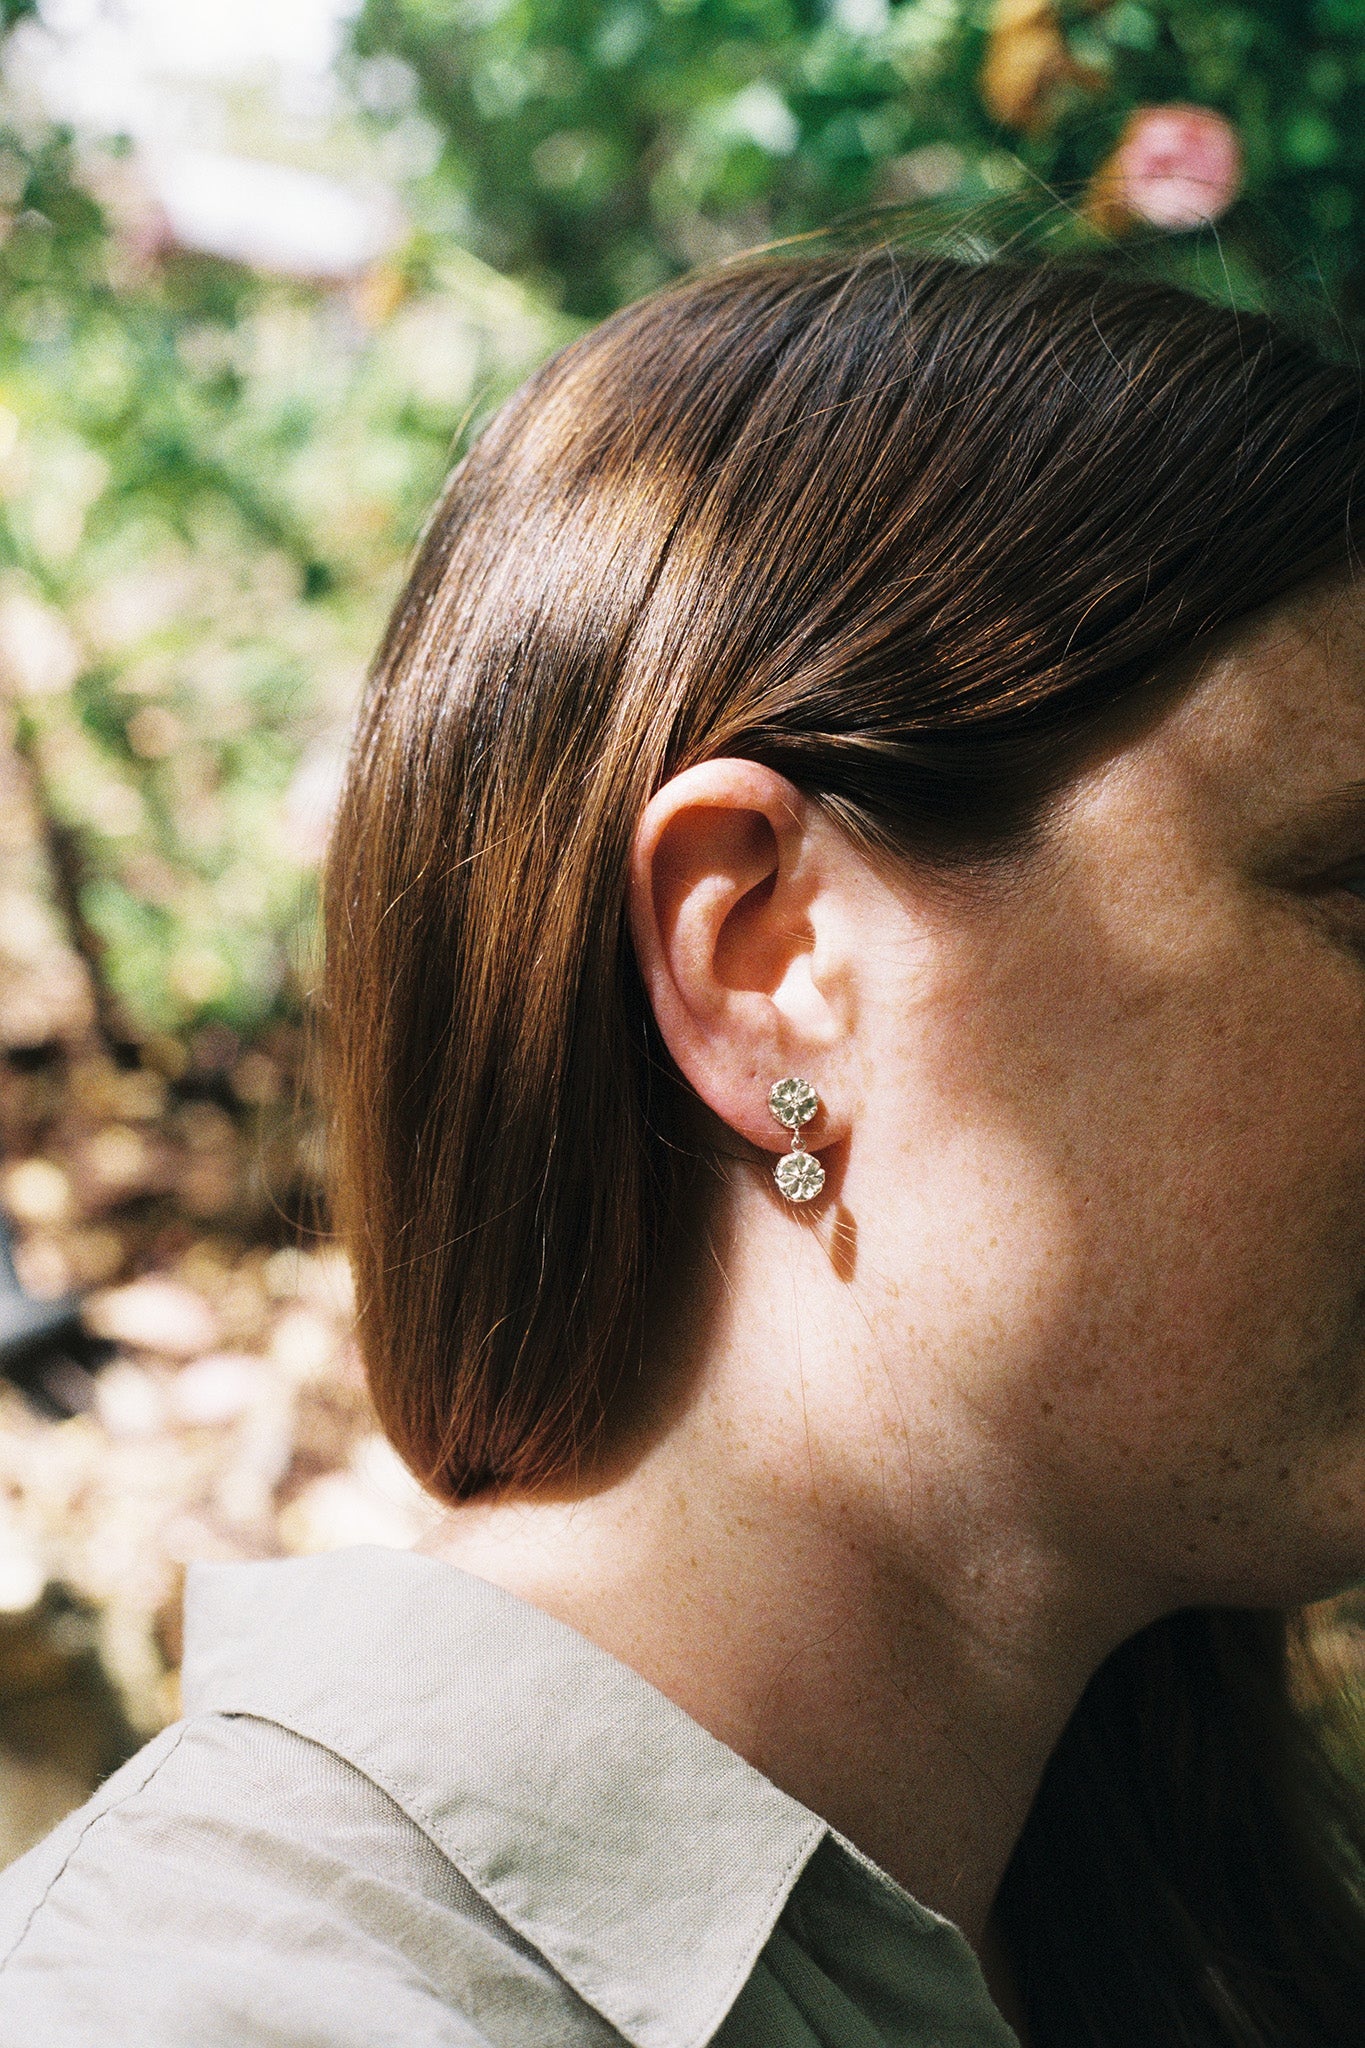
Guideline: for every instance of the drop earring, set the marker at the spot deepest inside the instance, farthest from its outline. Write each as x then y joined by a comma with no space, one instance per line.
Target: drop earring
799,1174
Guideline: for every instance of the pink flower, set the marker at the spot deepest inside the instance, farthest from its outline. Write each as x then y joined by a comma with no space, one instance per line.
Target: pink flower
1176,167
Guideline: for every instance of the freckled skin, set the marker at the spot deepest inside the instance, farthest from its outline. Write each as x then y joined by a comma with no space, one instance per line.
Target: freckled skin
1075,1334
1157,1045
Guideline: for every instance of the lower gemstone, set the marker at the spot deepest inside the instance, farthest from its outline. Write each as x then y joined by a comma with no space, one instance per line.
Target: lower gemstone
800,1176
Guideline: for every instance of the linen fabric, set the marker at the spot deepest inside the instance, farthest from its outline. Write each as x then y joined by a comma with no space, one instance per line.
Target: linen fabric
405,1807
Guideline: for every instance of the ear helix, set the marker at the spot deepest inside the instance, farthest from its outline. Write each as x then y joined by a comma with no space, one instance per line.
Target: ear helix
799,1174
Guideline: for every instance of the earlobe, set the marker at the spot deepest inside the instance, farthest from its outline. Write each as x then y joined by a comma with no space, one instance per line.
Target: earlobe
726,892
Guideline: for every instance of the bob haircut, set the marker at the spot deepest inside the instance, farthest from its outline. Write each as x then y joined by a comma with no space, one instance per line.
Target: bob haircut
914,533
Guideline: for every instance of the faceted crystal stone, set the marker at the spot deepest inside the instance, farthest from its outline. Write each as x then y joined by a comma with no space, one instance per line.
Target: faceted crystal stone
793,1102
800,1176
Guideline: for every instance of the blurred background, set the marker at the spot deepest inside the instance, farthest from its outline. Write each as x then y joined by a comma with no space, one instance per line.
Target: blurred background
264,266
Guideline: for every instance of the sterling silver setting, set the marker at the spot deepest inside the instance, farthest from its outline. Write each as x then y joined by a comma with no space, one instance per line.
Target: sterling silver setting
798,1173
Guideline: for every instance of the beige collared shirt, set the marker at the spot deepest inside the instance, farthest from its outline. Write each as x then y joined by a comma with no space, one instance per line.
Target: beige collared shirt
407,1810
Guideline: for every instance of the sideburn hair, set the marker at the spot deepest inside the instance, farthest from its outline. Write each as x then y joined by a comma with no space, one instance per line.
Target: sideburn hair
909,531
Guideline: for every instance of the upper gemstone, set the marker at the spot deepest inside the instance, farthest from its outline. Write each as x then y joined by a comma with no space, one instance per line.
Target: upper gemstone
793,1102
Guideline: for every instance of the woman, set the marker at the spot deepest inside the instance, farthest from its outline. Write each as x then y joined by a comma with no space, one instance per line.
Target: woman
940,691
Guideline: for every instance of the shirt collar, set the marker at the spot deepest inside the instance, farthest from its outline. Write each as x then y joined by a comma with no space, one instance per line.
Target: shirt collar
645,1861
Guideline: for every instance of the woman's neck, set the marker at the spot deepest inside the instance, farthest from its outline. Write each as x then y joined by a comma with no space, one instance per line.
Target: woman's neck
868,1616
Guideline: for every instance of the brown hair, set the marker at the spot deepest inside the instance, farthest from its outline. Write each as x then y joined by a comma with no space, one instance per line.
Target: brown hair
907,530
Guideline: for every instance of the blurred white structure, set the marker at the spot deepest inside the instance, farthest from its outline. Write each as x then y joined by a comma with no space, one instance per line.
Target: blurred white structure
133,66
271,216
174,77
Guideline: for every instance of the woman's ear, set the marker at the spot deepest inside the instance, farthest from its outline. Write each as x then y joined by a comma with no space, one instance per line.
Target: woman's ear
740,938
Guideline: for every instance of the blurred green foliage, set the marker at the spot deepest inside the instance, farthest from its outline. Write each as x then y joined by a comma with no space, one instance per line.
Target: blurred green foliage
208,485
209,480
600,146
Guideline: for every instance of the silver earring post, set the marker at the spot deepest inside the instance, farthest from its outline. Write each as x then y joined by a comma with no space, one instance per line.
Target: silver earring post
798,1173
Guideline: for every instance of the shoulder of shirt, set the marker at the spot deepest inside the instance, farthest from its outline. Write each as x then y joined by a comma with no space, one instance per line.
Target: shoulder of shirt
406,1808
236,1883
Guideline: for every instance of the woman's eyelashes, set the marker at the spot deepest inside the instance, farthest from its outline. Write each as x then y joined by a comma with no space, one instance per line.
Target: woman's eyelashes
1346,879
1346,893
